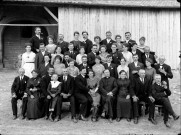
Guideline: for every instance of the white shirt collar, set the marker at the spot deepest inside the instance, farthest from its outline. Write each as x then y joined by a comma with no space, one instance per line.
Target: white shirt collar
108,40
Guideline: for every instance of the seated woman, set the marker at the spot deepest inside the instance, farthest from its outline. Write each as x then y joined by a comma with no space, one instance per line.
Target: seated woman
58,65
58,51
79,56
123,97
54,89
149,70
98,68
51,46
103,54
72,69
123,66
33,90
93,85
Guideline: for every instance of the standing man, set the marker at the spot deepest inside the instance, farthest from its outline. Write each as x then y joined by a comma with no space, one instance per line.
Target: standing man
129,40
87,43
82,94
71,51
164,70
62,44
39,59
37,39
108,41
134,67
108,88
91,56
116,56
18,92
134,50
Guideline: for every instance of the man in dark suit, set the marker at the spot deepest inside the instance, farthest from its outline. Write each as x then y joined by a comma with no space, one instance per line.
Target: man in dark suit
84,65
140,91
129,40
67,92
116,56
108,41
111,67
18,92
108,89
164,70
147,54
82,94
37,39
134,67
134,50
87,43
43,68
91,56
63,44
45,97
71,52
160,93
39,59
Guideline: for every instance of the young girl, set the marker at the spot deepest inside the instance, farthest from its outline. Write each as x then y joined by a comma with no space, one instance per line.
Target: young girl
54,88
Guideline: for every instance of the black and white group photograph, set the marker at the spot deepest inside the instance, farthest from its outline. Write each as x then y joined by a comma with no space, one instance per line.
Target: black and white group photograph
90,67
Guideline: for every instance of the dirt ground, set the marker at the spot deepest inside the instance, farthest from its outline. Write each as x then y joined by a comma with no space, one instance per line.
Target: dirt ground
67,127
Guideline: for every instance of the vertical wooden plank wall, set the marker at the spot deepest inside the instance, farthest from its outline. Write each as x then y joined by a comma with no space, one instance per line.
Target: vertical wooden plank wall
161,27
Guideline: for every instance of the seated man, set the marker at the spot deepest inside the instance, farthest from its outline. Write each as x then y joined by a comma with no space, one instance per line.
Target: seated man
108,88
160,93
18,92
82,94
67,92
140,90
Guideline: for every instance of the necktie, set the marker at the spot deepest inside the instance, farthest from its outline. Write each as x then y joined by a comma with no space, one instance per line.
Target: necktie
64,78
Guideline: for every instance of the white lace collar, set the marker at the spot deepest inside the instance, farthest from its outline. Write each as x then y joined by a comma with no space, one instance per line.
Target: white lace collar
55,84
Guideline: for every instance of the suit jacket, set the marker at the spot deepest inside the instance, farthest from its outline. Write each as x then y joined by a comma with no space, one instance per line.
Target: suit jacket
44,85
167,70
141,89
64,46
35,41
130,42
81,85
43,69
132,67
107,85
19,87
112,68
73,55
158,92
87,69
108,45
39,59
68,85
116,57
87,45
91,59
139,53
151,56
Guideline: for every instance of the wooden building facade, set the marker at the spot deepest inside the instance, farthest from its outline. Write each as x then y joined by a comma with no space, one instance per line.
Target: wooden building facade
157,20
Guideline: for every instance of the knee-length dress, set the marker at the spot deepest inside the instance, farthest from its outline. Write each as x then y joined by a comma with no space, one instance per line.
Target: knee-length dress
28,63
34,106
94,84
123,104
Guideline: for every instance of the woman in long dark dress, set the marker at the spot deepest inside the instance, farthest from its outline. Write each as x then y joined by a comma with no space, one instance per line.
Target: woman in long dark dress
123,97
33,90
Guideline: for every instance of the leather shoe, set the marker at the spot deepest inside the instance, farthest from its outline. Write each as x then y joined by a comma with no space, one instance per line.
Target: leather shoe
14,117
83,118
128,119
118,119
110,120
176,117
135,120
152,121
74,120
57,118
167,124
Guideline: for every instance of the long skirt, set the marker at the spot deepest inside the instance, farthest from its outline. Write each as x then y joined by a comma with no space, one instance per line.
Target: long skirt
34,108
124,108
28,67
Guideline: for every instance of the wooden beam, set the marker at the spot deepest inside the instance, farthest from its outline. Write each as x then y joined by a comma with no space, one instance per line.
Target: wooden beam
28,24
51,14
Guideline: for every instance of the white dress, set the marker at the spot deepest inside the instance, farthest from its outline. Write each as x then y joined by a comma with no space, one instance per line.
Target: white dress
128,56
28,63
125,68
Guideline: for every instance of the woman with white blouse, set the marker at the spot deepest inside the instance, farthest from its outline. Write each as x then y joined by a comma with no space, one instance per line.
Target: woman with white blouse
123,66
126,54
79,56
